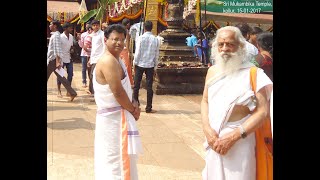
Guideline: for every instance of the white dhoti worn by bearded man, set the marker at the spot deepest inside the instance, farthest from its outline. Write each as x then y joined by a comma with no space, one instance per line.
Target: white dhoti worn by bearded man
224,92
117,141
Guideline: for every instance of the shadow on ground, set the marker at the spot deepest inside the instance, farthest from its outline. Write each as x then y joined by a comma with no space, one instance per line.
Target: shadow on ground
69,124
66,108
176,112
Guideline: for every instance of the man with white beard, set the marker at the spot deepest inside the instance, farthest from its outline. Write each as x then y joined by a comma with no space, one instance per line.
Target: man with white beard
231,111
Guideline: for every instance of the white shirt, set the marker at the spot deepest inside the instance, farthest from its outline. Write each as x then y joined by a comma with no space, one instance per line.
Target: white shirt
54,46
147,51
97,46
66,44
252,51
134,31
161,39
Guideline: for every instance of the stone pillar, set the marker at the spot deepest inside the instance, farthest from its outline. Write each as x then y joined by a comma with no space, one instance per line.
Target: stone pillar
152,15
178,71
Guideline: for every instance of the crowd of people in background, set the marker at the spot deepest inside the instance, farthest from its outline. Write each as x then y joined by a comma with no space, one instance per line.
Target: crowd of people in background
200,43
112,70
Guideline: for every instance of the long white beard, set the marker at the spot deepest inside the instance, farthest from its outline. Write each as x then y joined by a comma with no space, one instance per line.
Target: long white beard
229,62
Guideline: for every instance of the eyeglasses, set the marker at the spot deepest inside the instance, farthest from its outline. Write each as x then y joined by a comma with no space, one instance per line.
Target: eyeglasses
117,40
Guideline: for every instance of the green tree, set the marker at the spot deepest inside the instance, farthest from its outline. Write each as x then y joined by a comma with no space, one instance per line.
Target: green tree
99,13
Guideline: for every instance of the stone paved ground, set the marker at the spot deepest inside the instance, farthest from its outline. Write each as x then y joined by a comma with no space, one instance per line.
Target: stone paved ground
172,138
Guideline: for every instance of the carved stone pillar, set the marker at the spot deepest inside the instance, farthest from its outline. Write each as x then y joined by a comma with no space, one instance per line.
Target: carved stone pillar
152,15
178,71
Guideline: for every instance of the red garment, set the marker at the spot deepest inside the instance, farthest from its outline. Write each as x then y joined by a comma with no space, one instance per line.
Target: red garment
124,55
265,63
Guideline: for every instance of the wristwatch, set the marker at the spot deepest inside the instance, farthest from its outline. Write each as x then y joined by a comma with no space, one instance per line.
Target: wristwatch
243,133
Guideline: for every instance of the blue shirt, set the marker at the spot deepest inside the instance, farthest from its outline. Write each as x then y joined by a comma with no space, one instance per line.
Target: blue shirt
192,41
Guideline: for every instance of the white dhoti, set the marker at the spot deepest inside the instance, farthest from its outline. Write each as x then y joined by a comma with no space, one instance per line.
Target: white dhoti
237,164
117,141
224,92
117,145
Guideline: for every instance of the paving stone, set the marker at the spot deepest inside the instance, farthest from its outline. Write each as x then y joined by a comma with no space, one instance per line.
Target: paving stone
172,137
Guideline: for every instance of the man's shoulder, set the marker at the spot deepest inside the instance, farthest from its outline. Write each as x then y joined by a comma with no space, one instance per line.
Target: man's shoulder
56,36
212,72
109,62
89,37
150,35
251,48
106,58
84,34
154,38
98,35
101,33
212,68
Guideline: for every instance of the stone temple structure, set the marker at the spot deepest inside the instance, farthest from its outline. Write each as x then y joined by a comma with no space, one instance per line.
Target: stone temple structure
179,71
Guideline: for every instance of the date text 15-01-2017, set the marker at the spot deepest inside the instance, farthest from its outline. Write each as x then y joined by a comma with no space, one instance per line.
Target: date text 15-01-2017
241,10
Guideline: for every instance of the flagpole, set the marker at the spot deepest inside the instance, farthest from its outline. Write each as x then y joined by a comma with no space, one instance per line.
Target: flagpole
205,11
200,19
143,16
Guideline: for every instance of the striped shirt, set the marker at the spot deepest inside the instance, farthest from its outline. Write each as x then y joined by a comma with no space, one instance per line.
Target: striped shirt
147,51
81,43
54,46
87,42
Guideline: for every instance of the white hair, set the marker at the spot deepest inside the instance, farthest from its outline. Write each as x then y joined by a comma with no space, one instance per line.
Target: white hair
229,61
237,34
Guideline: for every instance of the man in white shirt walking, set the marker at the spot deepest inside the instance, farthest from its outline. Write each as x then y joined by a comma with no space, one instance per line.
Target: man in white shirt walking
54,57
66,44
145,61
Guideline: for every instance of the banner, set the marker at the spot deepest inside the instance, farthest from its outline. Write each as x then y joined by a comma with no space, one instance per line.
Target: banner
242,6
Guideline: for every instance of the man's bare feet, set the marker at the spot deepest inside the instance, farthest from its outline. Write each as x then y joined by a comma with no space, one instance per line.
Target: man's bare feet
151,111
72,97
68,94
59,94
88,92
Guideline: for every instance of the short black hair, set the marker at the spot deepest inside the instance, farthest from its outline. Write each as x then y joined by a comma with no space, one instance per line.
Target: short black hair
95,22
148,25
58,24
265,41
66,25
89,26
115,27
125,21
244,28
256,30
